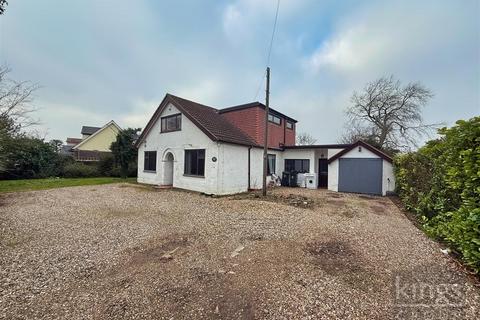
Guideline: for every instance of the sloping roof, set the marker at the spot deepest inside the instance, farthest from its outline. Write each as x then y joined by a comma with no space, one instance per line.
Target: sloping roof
319,146
206,118
97,132
379,153
89,130
256,104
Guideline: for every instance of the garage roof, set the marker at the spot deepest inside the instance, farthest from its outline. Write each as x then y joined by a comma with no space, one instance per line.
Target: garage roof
319,146
360,143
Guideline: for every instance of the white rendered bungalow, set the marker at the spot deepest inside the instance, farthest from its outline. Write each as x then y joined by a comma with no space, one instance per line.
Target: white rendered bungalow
220,151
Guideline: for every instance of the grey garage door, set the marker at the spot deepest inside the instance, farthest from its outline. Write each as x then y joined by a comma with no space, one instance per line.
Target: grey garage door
360,175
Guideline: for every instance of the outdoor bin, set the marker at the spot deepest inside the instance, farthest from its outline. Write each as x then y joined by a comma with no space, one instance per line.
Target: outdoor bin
285,179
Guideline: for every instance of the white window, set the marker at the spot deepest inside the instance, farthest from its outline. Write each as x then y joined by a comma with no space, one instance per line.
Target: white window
274,119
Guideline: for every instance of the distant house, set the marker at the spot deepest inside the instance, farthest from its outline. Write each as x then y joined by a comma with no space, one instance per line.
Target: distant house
220,151
95,141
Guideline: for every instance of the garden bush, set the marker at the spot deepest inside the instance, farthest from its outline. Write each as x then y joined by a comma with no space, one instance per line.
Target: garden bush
106,165
131,172
441,184
80,170
27,157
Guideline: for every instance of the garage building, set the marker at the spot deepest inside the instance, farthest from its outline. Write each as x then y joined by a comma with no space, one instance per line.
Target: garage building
357,167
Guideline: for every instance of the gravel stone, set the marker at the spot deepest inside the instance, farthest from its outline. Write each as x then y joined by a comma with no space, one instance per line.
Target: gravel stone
125,251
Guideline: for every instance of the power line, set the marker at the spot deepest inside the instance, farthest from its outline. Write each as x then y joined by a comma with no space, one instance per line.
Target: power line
273,33
269,49
259,85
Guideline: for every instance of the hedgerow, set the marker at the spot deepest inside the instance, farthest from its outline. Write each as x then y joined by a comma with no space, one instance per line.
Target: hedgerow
441,183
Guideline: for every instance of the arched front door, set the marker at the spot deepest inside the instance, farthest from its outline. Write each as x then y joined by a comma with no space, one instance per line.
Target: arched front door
168,169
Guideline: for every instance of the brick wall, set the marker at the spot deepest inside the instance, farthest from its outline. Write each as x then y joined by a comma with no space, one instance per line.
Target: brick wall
252,122
290,136
247,120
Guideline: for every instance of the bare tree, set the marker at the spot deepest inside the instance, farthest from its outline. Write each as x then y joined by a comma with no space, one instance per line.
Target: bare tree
3,5
354,132
16,100
56,144
304,139
388,114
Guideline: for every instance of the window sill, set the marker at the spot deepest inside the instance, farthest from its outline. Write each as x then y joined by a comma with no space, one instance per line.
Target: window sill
150,171
192,176
277,124
167,131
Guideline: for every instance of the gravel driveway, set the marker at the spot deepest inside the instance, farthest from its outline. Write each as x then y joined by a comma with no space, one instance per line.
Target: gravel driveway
130,252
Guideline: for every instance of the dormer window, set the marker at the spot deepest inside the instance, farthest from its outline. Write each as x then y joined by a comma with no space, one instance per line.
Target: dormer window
274,119
172,123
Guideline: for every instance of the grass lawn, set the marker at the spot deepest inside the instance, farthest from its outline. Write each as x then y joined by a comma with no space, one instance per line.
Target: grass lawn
50,183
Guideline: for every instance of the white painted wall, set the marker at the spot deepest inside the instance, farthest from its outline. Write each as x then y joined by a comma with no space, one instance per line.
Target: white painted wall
333,176
332,152
190,137
256,168
233,169
333,170
388,178
364,153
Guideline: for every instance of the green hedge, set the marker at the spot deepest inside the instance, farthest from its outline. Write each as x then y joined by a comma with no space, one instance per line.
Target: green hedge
108,168
441,184
80,170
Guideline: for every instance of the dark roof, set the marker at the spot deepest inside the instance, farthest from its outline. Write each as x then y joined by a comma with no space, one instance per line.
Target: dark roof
206,118
256,104
315,146
89,130
379,153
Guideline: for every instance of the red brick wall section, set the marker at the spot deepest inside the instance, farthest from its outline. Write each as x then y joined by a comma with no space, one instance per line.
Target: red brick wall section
252,122
247,120
290,136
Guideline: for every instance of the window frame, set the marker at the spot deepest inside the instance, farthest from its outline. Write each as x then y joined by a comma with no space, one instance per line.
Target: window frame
305,165
178,121
199,173
273,119
269,170
292,125
149,161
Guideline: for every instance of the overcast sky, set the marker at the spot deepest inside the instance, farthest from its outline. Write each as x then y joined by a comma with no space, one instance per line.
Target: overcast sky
101,60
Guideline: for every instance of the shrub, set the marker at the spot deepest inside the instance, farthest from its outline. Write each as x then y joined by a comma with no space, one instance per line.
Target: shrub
441,183
124,151
80,170
131,172
61,162
132,169
27,157
106,165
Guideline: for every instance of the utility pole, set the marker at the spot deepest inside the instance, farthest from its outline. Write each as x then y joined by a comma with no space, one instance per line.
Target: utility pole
265,145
